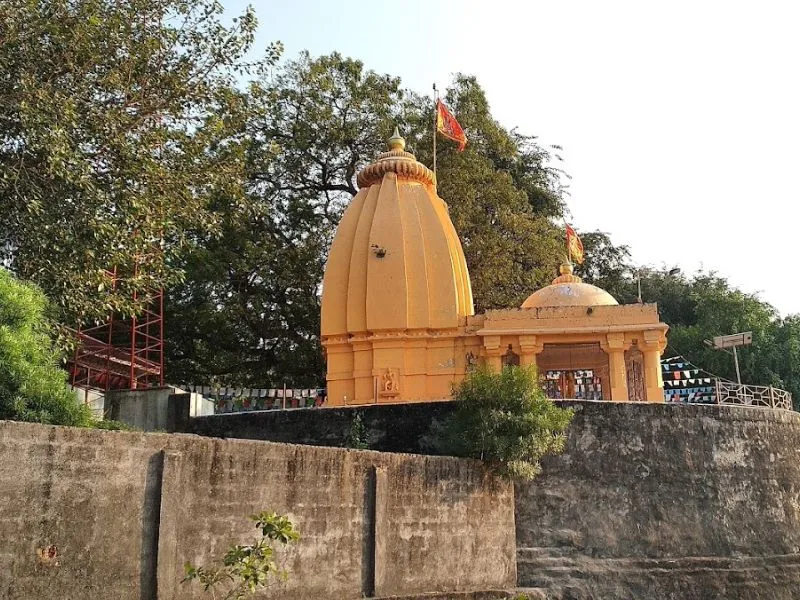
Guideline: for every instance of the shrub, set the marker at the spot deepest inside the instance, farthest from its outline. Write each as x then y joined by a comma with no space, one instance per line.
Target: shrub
244,569
112,425
357,437
32,386
504,419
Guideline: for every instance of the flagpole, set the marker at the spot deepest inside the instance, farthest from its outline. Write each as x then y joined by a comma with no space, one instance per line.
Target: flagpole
435,122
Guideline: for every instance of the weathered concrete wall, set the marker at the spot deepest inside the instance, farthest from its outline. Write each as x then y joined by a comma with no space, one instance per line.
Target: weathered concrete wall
658,501
391,428
121,513
153,409
666,501
426,547
86,500
648,501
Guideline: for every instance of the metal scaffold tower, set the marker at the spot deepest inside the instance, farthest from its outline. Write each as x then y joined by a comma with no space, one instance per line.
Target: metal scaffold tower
122,353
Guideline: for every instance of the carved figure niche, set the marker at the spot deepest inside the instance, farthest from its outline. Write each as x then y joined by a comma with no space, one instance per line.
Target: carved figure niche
634,364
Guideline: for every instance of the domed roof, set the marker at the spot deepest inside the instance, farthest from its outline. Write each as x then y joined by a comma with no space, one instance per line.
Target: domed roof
568,290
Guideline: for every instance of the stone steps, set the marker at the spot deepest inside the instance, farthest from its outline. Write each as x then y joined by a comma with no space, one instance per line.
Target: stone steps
563,574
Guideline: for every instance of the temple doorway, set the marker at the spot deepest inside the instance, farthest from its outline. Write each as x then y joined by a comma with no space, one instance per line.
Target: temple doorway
574,371
510,358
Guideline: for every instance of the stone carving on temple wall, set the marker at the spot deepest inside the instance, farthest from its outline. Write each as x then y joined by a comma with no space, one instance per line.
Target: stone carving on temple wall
471,362
390,383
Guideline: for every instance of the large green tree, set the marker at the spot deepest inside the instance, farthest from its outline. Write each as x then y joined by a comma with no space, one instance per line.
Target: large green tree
111,140
248,311
502,190
606,264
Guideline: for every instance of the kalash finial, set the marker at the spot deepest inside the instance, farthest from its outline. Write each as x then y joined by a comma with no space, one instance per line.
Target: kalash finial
567,275
396,142
396,160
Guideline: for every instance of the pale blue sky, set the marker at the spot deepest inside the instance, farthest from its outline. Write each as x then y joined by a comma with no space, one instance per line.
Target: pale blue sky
682,115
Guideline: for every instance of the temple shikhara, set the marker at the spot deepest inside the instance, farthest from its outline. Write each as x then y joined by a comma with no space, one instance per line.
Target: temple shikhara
398,323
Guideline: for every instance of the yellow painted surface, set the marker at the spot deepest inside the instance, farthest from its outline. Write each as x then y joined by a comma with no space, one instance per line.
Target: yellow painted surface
396,291
397,311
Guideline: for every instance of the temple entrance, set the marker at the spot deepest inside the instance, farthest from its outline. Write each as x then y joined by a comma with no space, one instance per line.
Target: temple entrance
510,358
579,385
574,371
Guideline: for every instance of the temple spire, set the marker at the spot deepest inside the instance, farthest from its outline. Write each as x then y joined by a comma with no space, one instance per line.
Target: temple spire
396,142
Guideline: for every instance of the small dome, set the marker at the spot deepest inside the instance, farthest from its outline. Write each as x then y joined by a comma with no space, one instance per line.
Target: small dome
568,290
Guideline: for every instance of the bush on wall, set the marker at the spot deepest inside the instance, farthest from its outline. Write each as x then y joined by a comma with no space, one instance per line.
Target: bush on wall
506,420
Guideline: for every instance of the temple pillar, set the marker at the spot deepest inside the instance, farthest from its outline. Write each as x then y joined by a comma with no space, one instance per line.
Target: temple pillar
341,385
617,373
493,353
363,378
529,348
654,344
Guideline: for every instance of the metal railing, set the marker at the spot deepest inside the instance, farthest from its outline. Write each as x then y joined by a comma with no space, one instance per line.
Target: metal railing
728,392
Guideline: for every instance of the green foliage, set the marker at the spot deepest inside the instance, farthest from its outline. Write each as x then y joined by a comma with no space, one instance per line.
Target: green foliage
248,310
357,437
245,569
112,425
502,193
32,387
506,420
113,131
607,266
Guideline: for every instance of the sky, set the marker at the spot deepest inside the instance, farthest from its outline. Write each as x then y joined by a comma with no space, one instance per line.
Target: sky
679,121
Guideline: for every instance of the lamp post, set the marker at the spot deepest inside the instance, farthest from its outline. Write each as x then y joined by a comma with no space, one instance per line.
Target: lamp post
639,285
723,342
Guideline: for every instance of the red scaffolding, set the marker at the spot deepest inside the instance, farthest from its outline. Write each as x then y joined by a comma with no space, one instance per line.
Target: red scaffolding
122,353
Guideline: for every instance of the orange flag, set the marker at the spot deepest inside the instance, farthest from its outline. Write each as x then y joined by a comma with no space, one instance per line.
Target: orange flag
447,125
574,245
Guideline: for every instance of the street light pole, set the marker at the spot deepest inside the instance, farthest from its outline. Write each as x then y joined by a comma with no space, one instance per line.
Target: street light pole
736,362
723,342
639,285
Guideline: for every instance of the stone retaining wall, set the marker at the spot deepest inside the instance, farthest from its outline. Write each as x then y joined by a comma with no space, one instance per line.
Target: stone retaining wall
657,501
115,515
666,501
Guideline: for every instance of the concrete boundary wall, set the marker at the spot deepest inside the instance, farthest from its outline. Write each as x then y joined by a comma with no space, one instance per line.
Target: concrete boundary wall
649,500
115,515
666,501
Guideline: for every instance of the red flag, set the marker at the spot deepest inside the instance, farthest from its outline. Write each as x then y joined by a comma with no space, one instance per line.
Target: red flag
447,125
574,245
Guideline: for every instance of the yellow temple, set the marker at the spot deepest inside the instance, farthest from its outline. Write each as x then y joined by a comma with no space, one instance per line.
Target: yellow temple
398,323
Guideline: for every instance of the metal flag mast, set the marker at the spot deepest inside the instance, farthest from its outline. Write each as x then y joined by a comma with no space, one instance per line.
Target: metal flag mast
435,125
